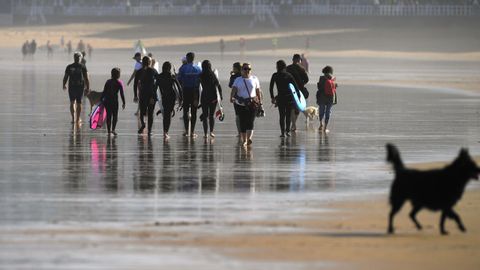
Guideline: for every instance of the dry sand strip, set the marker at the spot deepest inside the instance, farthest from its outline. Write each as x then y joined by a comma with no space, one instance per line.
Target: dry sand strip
15,36
352,236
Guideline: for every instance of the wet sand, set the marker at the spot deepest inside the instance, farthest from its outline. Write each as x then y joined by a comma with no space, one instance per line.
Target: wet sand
70,198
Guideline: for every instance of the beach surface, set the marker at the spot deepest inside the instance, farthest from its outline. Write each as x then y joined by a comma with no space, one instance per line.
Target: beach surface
71,198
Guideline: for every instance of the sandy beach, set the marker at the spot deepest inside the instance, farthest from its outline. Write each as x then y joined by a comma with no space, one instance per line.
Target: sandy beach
196,226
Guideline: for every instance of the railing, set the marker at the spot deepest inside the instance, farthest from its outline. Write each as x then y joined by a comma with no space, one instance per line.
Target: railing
385,10
247,10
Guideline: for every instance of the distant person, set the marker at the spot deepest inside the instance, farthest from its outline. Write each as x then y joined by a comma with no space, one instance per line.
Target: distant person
69,47
245,89
166,82
84,58
304,62
222,48
77,76
155,64
210,97
327,88
90,50
33,47
25,49
138,65
307,43
243,44
274,44
62,42
81,46
235,73
110,99
49,49
146,77
284,99
301,78
188,75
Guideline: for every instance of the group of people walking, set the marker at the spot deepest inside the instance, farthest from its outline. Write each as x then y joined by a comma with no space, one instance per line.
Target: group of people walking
197,87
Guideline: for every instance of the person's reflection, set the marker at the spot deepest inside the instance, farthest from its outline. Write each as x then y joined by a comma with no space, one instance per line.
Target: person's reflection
208,168
73,159
167,176
144,175
188,175
243,175
98,153
326,157
110,176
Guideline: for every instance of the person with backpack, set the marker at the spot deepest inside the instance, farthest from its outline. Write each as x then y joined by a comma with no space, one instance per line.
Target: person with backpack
78,82
188,76
166,82
301,78
209,98
326,96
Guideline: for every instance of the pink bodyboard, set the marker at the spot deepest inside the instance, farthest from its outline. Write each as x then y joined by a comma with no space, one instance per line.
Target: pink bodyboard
97,119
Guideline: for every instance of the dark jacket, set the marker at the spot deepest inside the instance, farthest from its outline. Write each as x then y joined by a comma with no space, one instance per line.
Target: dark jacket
299,74
282,79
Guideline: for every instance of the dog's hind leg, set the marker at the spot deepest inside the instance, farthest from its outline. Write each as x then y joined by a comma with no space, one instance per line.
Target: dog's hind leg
396,206
442,222
456,217
413,216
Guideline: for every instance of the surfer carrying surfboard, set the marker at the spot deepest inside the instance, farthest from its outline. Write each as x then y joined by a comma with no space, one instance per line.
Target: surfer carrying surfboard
210,97
110,99
78,82
301,78
167,82
284,99
188,76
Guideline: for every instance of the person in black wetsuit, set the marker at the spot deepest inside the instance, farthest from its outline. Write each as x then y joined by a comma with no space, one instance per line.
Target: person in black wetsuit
166,81
147,94
235,73
110,99
209,97
284,99
301,78
77,76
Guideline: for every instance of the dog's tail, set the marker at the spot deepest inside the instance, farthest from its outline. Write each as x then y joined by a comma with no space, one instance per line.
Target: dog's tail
393,156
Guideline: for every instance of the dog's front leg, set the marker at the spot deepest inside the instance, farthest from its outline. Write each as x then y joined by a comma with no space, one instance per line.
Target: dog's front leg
413,216
456,217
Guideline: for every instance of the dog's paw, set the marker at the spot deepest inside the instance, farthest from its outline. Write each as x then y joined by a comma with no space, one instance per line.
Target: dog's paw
462,229
444,232
390,231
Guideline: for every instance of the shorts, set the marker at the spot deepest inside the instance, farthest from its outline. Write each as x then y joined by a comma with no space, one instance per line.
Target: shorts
75,94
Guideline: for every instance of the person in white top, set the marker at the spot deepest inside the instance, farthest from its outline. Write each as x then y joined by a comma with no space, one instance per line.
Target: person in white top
245,90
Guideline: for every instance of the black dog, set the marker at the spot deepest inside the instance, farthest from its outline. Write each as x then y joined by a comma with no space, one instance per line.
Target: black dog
437,190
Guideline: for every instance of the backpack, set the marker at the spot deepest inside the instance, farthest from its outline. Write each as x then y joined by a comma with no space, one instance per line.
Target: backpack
76,75
330,87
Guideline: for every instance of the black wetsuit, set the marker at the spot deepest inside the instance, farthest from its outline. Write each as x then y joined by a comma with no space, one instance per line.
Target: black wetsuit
165,82
147,95
284,99
76,74
209,99
300,76
110,100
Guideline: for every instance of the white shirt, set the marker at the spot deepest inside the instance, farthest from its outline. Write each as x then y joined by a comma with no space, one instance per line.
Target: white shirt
138,65
241,83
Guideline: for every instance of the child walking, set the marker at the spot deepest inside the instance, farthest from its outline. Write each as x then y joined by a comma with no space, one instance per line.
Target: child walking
110,100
